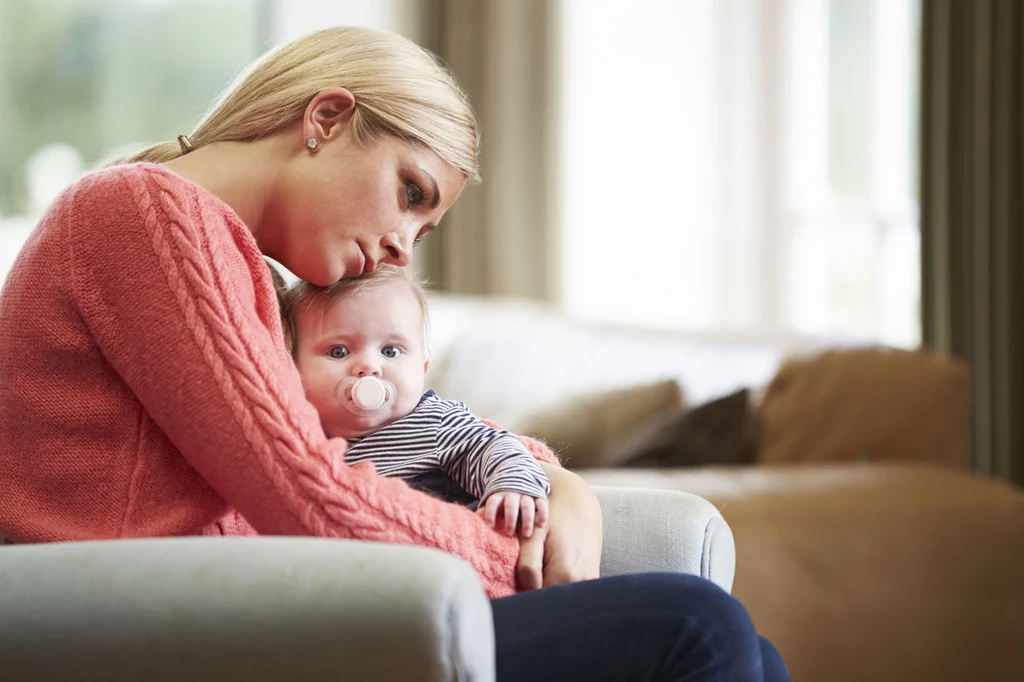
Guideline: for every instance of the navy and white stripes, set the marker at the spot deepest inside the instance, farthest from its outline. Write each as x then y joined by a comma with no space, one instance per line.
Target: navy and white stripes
444,434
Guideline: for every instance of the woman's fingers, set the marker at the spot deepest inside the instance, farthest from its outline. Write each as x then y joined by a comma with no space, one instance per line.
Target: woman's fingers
527,512
542,512
530,569
573,548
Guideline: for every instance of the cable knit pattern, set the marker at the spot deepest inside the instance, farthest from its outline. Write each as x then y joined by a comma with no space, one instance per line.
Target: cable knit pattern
148,391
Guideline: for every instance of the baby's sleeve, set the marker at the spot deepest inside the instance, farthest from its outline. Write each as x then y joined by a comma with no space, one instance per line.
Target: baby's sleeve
484,459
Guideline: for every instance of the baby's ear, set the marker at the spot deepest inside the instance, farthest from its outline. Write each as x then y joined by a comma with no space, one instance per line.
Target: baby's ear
426,365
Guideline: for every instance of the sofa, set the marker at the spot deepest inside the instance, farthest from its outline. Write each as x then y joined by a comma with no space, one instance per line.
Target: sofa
866,549
889,561
297,609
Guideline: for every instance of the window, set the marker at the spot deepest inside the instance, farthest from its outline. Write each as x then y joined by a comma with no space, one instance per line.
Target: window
767,146
81,80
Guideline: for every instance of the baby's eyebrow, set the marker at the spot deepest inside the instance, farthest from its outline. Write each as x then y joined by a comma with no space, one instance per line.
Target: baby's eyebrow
335,337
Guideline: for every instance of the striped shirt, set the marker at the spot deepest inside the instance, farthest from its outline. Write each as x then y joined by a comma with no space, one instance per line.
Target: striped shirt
444,435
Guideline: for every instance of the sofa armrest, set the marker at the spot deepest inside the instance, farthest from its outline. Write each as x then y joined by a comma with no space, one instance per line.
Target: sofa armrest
665,530
241,609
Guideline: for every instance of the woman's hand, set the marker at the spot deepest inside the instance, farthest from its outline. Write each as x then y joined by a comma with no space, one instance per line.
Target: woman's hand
530,567
568,549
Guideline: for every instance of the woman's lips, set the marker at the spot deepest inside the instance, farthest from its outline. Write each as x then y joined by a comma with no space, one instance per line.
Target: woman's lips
369,265
365,265
361,265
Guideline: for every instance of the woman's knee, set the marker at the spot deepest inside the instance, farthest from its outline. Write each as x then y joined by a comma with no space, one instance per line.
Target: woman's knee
719,614
730,633
698,602
673,626
771,662
714,632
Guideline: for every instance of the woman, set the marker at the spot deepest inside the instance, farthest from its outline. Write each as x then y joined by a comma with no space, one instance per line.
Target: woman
149,391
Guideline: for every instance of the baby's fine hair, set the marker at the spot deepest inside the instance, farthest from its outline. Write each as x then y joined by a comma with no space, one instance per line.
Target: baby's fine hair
303,295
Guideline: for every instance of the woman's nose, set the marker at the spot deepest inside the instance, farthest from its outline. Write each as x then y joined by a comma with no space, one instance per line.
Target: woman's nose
398,249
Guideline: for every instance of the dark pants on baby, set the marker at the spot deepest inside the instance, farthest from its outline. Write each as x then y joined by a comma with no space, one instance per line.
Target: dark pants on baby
650,627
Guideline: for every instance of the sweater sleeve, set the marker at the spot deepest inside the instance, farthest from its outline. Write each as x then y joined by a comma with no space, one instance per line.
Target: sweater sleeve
485,460
177,297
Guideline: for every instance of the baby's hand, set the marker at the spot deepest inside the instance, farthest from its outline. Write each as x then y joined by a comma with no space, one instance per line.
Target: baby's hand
529,512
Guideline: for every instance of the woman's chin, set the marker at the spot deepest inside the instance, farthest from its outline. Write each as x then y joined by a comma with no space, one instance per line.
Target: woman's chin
318,274
322,279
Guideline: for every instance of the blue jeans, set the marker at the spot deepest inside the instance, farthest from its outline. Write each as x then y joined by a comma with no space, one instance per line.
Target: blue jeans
650,627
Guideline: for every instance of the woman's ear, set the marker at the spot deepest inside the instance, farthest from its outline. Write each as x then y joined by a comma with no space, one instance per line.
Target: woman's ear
327,114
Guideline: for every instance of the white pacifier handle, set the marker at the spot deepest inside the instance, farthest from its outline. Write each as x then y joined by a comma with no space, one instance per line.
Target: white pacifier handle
366,395
369,393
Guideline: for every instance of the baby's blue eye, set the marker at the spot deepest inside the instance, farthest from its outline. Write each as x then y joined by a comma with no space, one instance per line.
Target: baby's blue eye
338,352
390,352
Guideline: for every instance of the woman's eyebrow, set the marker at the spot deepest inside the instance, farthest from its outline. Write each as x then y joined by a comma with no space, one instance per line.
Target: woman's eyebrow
437,192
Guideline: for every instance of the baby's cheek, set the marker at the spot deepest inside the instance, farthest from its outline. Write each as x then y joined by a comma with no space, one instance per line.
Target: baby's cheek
407,401
323,399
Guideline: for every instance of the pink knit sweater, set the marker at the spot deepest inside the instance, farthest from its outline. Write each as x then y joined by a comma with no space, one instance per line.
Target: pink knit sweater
145,390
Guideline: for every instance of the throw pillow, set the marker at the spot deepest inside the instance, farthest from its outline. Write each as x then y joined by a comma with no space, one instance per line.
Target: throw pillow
722,431
867,404
582,428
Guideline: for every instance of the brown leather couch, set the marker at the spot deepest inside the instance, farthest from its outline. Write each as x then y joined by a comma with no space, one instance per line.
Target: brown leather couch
865,547
888,572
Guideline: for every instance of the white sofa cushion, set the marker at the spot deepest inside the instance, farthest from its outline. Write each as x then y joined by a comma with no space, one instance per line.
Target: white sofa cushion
507,357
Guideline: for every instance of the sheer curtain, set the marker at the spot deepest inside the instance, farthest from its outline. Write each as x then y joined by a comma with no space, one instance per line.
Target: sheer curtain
741,164
501,236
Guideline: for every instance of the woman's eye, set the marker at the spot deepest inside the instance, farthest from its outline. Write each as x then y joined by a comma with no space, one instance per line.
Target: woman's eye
414,194
390,352
423,233
338,352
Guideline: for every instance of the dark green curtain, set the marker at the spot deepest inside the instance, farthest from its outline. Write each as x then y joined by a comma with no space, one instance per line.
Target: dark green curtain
972,206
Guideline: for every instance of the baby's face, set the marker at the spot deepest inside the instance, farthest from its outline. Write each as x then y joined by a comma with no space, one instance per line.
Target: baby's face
378,332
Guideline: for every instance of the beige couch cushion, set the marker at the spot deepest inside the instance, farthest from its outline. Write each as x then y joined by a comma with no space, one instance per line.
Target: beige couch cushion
586,430
645,426
867,404
880,572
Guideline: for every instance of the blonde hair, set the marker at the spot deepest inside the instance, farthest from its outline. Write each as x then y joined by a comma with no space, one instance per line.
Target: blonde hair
302,296
400,89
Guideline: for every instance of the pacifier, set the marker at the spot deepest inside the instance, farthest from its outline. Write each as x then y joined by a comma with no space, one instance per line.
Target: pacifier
366,395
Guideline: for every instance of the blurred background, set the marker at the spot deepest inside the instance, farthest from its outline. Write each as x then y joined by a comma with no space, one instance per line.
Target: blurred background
704,225
769,146
796,174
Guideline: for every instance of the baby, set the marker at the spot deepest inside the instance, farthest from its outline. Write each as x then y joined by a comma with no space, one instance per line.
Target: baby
360,347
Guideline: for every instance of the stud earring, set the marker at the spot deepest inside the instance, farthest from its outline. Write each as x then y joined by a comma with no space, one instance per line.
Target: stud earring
312,144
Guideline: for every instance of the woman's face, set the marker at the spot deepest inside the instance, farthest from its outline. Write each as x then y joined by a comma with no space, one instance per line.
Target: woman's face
341,211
